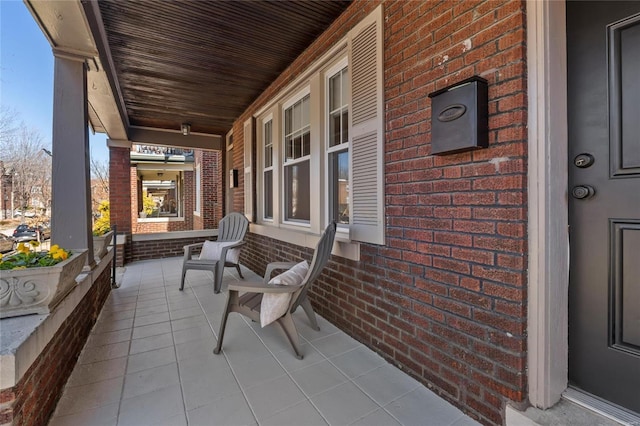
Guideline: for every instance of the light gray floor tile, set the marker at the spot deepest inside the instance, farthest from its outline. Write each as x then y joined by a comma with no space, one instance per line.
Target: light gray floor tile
106,415
151,330
318,378
195,348
107,316
190,368
98,371
310,356
185,313
195,333
150,343
465,421
344,404
151,319
335,344
377,418
145,360
101,339
231,410
108,326
143,304
358,361
189,322
151,408
267,398
79,398
386,384
422,407
300,414
171,364
103,353
152,310
207,385
150,380
257,371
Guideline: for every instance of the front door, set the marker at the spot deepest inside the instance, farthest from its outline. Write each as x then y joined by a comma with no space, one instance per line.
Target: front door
603,46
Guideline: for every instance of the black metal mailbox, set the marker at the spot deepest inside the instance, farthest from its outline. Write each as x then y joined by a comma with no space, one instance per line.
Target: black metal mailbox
460,117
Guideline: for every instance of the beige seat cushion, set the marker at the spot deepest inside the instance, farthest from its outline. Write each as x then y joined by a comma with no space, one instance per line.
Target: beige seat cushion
274,306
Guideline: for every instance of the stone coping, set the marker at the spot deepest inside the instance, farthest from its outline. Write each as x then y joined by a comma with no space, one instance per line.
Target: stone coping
154,236
22,339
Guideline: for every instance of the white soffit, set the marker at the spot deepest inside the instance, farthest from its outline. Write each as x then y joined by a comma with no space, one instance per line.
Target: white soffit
65,26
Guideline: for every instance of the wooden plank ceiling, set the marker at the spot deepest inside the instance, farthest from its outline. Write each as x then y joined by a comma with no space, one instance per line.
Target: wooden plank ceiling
204,62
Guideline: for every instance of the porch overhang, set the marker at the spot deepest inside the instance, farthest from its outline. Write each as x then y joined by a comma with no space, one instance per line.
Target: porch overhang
154,65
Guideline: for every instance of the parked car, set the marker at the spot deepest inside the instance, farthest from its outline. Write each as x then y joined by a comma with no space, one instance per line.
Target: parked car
24,232
6,243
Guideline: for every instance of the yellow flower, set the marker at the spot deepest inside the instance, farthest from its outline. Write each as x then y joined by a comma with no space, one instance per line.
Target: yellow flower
34,243
23,248
19,267
54,247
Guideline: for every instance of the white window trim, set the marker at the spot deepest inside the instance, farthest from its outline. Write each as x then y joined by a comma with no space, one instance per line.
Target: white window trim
327,74
283,162
198,191
262,169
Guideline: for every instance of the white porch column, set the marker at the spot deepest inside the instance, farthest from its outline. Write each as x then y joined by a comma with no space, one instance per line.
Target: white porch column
71,177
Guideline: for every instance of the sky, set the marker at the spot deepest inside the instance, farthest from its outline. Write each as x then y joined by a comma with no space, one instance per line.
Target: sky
26,75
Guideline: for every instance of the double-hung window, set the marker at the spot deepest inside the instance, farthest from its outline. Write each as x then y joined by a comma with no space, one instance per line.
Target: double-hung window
267,171
338,144
297,148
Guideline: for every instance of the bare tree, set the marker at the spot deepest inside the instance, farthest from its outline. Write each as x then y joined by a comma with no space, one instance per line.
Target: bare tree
99,183
21,150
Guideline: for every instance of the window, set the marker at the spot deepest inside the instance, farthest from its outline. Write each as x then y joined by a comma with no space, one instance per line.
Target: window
321,150
162,197
338,145
297,144
267,143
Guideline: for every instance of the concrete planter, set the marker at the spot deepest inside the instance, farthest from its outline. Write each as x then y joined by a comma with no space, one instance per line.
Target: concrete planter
38,290
101,244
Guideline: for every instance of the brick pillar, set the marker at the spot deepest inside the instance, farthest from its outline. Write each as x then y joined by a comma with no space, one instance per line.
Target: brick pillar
212,201
120,194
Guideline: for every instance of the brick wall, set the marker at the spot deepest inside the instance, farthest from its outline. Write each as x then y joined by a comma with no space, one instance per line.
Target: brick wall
159,249
34,398
446,297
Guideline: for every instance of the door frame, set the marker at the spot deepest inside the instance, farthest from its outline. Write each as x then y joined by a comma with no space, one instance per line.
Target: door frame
548,239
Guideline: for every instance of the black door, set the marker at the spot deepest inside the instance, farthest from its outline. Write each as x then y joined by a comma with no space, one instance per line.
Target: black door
603,43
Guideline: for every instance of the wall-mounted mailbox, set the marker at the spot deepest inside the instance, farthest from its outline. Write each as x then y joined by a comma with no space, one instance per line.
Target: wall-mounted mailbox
460,117
233,178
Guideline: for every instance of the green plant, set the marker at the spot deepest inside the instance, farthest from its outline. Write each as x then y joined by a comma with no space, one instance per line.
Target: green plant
148,205
102,225
27,257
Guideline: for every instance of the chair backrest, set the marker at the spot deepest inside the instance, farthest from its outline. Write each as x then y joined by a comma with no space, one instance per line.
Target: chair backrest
319,260
233,227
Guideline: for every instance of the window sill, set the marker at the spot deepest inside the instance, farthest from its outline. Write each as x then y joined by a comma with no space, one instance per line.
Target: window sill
342,247
160,219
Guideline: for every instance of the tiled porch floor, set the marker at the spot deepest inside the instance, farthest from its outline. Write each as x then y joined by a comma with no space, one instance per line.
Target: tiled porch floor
149,361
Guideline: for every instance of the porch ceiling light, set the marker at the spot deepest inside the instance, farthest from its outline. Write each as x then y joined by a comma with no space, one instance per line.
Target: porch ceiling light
185,128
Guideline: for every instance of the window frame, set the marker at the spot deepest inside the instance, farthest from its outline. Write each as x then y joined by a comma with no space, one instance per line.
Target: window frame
284,163
269,118
340,63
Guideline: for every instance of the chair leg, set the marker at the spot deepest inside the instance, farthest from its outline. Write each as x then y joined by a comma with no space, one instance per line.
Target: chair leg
239,272
184,272
289,328
218,273
223,324
306,305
